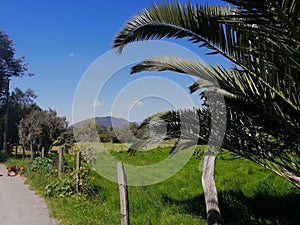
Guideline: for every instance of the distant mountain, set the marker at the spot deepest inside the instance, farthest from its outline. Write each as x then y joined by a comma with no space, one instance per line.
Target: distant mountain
106,121
110,121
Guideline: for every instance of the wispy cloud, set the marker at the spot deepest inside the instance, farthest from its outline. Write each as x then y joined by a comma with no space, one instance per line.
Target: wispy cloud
72,54
96,103
136,104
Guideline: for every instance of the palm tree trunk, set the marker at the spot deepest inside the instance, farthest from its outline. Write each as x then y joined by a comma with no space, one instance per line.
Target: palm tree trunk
210,191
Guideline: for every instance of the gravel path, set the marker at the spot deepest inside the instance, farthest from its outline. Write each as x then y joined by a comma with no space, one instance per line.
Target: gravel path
19,205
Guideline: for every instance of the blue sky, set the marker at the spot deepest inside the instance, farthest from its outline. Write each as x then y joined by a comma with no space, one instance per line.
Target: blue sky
60,41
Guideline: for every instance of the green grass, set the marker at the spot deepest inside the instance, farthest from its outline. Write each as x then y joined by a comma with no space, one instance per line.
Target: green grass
14,161
248,194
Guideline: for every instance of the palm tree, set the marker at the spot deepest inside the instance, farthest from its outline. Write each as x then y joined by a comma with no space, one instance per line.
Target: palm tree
261,90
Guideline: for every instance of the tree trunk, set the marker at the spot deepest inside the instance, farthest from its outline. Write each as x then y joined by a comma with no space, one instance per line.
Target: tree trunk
210,191
43,152
31,152
16,147
5,128
23,151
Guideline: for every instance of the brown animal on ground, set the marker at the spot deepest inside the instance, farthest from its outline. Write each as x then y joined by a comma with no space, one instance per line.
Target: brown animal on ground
14,169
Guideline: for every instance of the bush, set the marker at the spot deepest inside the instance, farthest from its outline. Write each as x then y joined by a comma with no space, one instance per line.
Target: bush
61,188
41,165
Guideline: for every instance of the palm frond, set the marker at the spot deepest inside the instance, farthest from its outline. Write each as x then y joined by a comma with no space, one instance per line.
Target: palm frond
257,38
255,137
172,20
272,13
229,83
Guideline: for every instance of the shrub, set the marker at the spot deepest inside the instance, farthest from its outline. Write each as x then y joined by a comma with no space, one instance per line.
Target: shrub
41,165
61,188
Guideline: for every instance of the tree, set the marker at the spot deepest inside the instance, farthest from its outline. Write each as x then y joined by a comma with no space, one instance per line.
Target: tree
112,135
66,139
20,104
133,128
40,129
124,134
87,132
262,89
9,67
103,133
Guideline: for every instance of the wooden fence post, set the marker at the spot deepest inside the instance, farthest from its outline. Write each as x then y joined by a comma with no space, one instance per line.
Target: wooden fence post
43,152
78,160
124,204
60,161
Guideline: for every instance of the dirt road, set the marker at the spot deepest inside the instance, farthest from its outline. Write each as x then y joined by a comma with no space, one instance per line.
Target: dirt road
19,205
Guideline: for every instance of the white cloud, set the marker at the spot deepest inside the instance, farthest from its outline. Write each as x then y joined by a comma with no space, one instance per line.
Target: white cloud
96,103
71,54
136,104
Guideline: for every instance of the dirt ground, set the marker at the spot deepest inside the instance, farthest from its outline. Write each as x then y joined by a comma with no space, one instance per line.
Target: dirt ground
19,205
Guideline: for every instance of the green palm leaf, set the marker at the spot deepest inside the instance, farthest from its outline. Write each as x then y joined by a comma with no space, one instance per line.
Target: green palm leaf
230,83
260,139
257,39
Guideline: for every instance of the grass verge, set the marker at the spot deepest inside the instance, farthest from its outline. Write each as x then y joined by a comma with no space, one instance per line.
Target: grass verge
248,194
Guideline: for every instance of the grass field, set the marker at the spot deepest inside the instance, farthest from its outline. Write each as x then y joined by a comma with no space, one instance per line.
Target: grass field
248,194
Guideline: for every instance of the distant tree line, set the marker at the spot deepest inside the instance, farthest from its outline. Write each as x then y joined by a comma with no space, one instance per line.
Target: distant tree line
93,131
40,128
